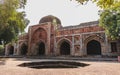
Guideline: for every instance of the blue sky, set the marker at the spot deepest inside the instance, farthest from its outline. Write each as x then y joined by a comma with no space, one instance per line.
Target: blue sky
69,12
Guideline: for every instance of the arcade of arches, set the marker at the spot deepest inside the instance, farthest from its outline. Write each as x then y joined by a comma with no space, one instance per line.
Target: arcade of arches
48,38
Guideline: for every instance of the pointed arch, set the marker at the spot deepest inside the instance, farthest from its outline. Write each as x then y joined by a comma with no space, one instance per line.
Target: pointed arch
11,52
93,41
93,48
64,46
41,49
24,49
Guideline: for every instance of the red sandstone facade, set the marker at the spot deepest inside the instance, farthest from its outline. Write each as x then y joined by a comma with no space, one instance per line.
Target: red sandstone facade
50,38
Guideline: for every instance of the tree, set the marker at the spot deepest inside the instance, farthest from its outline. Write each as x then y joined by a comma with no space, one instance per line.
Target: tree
12,22
109,16
104,4
110,21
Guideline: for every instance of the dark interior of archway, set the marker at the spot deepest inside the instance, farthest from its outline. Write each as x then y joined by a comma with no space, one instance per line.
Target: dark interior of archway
65,48
11,50
93,48
24,49
41,49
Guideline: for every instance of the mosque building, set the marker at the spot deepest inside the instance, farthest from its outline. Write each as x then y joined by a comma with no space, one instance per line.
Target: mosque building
49,38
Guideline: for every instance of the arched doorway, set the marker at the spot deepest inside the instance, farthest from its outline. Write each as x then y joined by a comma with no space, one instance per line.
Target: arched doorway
41,49
65,48
11,50
24,48
93,48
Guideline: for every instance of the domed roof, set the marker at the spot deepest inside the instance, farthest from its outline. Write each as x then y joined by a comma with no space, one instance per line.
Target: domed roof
49,18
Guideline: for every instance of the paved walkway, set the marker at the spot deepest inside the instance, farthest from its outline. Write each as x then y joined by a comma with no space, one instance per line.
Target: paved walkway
8,66
89,58
81,58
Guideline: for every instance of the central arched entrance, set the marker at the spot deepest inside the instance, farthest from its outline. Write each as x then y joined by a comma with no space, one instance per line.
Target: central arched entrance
11,50
65,48
93,48
41,50
24,48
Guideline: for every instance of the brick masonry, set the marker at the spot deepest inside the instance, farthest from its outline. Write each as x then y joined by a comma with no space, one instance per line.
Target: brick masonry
53,35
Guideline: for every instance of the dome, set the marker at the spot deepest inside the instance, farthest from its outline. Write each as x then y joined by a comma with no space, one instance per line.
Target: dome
49,18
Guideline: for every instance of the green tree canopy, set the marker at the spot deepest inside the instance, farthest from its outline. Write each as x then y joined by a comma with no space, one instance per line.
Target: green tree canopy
110,21
104,4
12,22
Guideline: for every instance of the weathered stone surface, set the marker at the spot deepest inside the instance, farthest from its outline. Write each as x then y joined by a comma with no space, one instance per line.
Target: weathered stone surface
53,35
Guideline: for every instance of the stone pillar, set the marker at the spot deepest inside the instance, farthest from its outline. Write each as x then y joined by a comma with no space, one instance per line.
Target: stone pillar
6,50
118,58
55,44
18,48
105,47
15,49
81,46
29,41
48,39
72,50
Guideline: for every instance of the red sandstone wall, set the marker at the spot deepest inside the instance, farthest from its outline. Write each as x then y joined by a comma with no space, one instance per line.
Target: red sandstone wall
79,30
63,33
